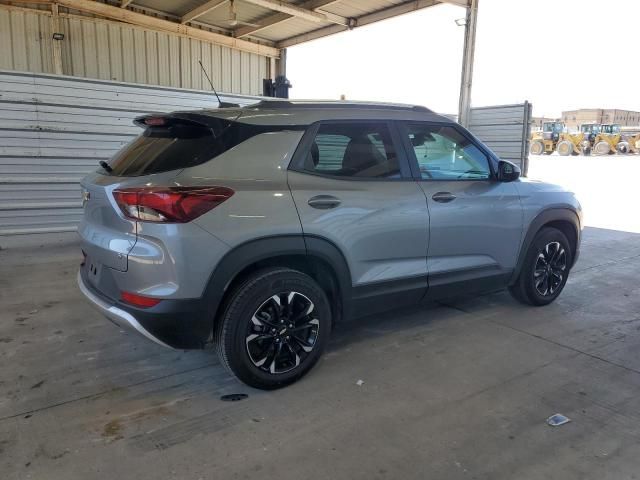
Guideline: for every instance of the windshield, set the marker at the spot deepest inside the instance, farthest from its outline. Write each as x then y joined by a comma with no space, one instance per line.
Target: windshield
612,129
590,128
554,127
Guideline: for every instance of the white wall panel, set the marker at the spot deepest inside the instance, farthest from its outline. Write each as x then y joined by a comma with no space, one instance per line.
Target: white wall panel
108,50
505,129
53,131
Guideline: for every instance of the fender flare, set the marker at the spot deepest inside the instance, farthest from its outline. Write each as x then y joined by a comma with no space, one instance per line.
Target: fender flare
246,254
567,214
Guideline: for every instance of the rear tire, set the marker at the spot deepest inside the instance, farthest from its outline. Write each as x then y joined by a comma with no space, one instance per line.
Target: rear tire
623,147
545,270
275,326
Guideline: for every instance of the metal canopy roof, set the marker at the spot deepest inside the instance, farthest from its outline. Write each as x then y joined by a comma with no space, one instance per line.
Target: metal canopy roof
248,24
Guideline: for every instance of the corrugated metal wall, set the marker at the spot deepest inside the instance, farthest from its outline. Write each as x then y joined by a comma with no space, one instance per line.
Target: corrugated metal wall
54,130
108,50
505,129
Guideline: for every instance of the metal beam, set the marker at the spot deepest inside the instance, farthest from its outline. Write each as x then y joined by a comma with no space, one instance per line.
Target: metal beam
201,10
154,23
460,3
303,13
394,11
277,18
464,106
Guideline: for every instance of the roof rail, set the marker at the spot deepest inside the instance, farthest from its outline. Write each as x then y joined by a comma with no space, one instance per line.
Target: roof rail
288,104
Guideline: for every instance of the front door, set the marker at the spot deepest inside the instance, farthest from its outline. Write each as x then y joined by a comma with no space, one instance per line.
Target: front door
352,186
475,220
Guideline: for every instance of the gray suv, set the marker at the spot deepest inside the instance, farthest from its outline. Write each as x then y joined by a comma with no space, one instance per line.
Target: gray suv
255,229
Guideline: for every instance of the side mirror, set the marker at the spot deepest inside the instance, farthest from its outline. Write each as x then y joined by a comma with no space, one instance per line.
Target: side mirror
507,171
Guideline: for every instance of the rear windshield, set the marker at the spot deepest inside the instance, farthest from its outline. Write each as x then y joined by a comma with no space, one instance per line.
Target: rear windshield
181,145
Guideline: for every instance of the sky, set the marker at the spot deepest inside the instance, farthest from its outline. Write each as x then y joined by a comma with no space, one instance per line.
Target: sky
557,54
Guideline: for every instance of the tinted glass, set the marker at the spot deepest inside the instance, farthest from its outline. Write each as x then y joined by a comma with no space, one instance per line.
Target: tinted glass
443,153
181,145
362,150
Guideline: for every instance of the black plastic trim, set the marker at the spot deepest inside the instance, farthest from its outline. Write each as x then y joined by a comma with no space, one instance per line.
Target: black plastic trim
546,216
383,296
181,324
466,287
254,251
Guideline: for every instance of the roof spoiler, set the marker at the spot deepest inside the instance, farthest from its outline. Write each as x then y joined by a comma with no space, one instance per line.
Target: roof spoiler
189,118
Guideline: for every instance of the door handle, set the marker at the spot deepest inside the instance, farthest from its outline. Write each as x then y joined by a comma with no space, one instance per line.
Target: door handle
443,197
323,202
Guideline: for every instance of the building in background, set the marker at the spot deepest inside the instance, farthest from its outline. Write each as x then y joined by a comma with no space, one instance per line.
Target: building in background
574,118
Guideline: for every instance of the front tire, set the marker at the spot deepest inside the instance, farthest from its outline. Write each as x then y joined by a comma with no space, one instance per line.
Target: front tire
564,148
274,329
545,270
602,148
536,148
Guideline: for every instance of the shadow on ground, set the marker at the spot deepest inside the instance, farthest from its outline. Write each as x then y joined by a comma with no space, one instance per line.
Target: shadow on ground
459,389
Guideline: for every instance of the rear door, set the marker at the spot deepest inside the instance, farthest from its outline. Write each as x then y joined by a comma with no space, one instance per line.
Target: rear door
352,186
475,220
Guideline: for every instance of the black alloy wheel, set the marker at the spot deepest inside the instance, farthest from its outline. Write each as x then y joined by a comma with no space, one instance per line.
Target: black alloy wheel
282,333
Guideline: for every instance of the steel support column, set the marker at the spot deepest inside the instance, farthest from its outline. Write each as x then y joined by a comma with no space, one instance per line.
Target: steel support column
281,64
464,107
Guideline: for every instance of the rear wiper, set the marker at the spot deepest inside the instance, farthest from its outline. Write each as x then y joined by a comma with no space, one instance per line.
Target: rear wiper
105,165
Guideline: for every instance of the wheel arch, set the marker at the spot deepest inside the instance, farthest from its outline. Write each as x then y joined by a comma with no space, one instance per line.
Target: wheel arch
317,257
564,219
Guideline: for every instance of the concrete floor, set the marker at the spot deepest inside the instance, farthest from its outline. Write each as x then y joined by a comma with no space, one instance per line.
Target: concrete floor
459,390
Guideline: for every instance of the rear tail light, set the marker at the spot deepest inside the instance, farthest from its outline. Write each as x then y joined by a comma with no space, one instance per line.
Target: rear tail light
139,300
169,204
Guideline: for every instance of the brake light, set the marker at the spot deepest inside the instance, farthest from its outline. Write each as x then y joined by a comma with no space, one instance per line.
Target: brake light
155,121
169,204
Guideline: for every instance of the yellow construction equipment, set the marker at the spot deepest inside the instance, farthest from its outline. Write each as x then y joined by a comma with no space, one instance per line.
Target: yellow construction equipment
570,144
590,132
630,142
606,142
545,141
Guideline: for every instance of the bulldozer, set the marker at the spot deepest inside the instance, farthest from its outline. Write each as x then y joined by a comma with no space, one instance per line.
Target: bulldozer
607,141
546,140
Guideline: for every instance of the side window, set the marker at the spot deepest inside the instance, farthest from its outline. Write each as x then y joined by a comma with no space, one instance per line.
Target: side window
443,153
362,150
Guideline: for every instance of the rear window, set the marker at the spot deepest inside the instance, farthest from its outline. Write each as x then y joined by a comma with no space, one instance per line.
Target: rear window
181,145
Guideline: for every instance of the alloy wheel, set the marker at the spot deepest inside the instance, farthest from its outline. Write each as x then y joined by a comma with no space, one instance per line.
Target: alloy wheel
282,332
550,269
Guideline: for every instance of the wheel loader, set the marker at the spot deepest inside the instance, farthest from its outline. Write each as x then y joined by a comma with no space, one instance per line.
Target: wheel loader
546,140
590,132
571,144
607,141
630,141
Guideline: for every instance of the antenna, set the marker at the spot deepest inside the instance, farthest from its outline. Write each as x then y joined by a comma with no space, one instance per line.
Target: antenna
221,104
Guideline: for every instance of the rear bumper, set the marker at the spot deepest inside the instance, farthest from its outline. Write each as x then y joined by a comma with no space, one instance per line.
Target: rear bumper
180,324
116,315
